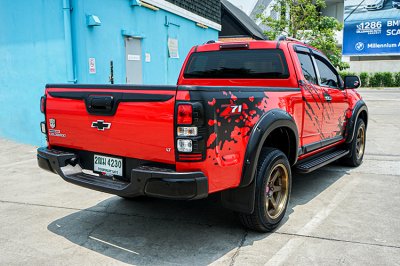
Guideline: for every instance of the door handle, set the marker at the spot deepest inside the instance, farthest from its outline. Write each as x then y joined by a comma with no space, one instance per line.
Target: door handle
98,104
328,98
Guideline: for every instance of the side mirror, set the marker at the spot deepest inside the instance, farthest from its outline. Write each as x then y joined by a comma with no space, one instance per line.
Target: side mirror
352,82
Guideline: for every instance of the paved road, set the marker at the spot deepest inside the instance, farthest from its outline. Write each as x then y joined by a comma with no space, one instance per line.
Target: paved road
336,215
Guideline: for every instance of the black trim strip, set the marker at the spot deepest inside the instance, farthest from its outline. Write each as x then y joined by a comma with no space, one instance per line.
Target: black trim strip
312,147
114,87
236,88
302,49
119,97
308,50
321,144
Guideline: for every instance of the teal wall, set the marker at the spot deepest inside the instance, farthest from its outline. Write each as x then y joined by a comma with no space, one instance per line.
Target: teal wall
33,52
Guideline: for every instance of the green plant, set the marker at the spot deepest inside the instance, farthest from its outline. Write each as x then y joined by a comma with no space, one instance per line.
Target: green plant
302,19
343,74
397,79
346,73
387,79
375,79
364,79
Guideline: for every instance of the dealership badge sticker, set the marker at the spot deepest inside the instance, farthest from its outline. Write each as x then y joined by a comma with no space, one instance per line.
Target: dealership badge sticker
52,123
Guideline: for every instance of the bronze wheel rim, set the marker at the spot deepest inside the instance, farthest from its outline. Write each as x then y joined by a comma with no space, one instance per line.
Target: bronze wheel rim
277,191
360,142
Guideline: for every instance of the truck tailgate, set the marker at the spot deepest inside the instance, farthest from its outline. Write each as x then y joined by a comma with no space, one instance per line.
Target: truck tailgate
129,121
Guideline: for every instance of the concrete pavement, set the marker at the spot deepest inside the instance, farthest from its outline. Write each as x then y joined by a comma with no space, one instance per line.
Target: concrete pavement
337,215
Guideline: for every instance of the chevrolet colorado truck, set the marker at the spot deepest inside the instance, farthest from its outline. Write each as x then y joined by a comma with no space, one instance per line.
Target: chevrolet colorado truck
241,118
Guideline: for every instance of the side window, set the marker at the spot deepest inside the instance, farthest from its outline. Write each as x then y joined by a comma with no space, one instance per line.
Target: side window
328,76
307,67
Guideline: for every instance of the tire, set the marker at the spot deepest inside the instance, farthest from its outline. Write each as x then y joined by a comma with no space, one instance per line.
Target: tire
357,146
272,164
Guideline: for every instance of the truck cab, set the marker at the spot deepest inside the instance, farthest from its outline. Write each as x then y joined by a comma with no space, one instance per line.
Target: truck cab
241,118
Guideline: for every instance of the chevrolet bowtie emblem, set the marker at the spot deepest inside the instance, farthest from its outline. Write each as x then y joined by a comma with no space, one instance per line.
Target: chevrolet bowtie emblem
101,125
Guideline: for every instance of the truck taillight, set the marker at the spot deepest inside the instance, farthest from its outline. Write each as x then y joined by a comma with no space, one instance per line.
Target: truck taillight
186,131
185,114
43,127
190,134
184,145
43,104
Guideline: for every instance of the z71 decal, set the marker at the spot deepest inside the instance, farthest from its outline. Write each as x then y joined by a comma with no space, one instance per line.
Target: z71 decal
229,109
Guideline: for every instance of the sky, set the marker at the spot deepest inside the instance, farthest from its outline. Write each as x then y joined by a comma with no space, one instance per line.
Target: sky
245,5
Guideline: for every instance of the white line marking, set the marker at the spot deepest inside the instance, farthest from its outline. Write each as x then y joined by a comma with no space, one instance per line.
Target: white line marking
113,245
284,253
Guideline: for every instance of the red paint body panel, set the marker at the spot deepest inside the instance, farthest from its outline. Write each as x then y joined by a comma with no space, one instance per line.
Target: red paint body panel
135,127
335,113
223,167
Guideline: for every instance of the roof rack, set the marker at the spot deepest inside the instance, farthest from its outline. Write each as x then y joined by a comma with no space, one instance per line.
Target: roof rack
286,38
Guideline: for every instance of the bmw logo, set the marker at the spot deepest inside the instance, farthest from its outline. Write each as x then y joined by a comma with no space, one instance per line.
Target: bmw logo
359,46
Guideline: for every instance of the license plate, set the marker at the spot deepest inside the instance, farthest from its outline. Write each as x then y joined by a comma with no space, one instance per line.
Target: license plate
107,165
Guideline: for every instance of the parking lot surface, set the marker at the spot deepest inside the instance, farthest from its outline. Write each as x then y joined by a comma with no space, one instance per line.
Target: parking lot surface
337,215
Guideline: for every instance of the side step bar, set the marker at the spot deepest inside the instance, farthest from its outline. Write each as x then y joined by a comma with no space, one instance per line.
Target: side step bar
319,161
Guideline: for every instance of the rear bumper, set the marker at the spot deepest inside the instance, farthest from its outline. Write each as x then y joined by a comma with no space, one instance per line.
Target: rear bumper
144,180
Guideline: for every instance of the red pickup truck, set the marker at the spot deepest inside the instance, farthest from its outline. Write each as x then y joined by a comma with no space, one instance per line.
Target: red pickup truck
241,118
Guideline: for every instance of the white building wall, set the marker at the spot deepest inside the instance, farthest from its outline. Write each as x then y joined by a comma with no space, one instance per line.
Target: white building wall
372,66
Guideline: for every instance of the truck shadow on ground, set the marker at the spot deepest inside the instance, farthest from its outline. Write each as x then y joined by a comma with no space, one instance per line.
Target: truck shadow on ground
155,231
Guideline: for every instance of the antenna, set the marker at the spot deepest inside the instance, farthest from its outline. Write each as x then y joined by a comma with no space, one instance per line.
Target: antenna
280,38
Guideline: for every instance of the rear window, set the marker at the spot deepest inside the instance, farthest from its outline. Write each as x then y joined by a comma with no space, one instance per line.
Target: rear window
240,64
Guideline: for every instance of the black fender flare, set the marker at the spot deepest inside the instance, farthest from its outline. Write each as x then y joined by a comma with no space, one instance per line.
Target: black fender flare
359,107
242,198
272,120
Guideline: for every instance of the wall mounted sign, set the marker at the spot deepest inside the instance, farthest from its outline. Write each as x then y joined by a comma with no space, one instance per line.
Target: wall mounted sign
133,57
92,65
173,48
148,57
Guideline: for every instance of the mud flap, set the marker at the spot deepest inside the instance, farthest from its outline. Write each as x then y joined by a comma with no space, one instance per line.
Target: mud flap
240,199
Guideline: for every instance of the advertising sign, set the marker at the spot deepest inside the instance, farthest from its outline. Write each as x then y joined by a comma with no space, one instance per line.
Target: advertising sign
371,27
